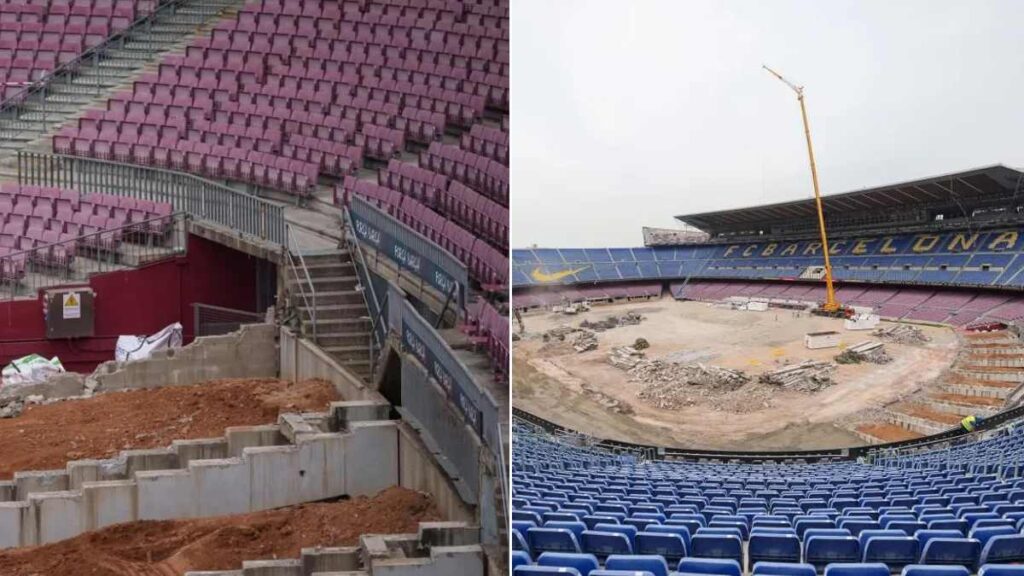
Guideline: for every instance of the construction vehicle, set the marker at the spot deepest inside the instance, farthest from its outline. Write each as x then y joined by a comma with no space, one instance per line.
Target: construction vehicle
831,307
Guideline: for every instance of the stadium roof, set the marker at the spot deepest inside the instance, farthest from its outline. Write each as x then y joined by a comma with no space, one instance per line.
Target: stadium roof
962,189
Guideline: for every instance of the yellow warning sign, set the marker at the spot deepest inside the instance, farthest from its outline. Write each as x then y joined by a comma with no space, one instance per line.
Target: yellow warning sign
72,306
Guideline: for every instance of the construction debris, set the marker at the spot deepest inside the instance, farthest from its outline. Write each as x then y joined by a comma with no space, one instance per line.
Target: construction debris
902,334
625,357
584,341
867,351
558,333
629,319
672,386
808,376
12,409
641,344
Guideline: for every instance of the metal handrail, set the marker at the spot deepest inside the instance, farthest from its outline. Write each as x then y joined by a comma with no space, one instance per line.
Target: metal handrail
309,280
201,198
94,53
353,244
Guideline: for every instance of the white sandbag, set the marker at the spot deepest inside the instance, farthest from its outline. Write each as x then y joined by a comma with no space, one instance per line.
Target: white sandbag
31,369
139,347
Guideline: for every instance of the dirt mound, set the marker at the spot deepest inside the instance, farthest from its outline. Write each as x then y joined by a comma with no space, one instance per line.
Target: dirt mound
48,436
178,546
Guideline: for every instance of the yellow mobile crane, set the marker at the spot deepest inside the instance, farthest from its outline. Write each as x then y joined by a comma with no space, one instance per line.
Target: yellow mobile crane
831,307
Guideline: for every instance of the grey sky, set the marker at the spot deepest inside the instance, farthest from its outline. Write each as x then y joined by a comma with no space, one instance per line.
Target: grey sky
630,112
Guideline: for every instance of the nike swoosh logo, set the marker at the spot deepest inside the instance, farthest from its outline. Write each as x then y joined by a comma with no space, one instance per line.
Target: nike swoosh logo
540,276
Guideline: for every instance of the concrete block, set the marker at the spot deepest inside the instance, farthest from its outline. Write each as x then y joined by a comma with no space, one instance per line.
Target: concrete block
153,459
241,437
313,469
443,561
165,495
433,534
222,487
199,449
56,515
371,457
31,481
272,568
293,426
81,471
333,560
13,515
344,413
108,503
6,490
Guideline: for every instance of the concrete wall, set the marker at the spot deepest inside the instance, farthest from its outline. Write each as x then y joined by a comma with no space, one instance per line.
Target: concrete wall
249,353
302,360
249,469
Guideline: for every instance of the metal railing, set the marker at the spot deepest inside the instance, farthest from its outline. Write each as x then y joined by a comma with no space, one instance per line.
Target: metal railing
297,264
211,320
202,199
377,308
25,272
10,107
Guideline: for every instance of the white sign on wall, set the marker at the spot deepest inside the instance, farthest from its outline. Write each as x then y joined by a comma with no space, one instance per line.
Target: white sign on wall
72,306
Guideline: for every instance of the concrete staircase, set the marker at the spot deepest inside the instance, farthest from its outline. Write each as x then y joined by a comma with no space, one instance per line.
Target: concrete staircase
68,98
989,368
342,318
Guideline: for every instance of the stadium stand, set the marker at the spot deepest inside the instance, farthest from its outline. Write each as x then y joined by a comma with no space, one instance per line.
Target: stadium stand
954,505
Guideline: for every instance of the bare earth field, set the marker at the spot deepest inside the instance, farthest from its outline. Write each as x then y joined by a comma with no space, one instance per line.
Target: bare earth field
554,382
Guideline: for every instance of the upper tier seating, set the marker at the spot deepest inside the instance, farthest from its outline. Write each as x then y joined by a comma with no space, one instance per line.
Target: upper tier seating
289,90
51,222
37,36
956,510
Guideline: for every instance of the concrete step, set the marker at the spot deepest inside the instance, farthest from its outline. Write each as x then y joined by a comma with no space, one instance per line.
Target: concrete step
345,339
324,326
884,432
331,312
349,353
922,419
338,297
332,283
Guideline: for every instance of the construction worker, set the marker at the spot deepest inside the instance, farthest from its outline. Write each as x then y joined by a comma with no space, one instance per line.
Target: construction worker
970,423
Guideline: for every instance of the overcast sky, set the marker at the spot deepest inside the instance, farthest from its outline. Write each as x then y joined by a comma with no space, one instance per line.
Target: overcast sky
626,113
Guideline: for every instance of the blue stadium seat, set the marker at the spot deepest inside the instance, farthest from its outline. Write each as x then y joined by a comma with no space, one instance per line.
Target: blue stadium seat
822,550
552,540
923,536
671,546
575,527
1001,570
957,524
783,569
518,542
1004,548
621,573
984,533
857,569
593,520
945,551
520,558
773,548
894,551
582,563
668,529
923,570
602,544
535,570
717,546
650,563
715,566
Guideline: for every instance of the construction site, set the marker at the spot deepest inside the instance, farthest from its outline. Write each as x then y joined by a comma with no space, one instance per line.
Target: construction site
708,375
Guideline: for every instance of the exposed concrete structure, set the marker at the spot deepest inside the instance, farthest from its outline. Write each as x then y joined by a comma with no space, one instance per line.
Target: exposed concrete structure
440,549
250,352
303,458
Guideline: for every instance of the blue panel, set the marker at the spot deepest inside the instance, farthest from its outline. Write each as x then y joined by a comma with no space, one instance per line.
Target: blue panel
606,271
670,270
523,257
649,270
587,275
574,255
664,254
548,256
628,270
598,255
993,259
520,278
977,277
643,254
621,254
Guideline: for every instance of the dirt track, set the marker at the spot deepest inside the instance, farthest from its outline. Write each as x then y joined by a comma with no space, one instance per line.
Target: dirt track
174,547
554,382
46,437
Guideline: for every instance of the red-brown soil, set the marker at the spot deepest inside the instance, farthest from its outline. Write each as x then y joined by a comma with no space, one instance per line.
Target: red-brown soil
46,437
888,432
152,548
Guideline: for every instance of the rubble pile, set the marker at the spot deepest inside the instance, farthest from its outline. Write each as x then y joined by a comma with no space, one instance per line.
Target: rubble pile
558,333
671,386
625,357
902,334
867,351
641,344
629,319
584,341
808,376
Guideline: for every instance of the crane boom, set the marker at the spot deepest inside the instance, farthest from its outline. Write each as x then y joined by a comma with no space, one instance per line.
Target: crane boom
831,305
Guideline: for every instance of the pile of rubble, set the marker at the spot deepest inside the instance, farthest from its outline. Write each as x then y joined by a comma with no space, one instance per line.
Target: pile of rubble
672,386
584,341
902,334
867,351
625,357
808,376
558,333
629,319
